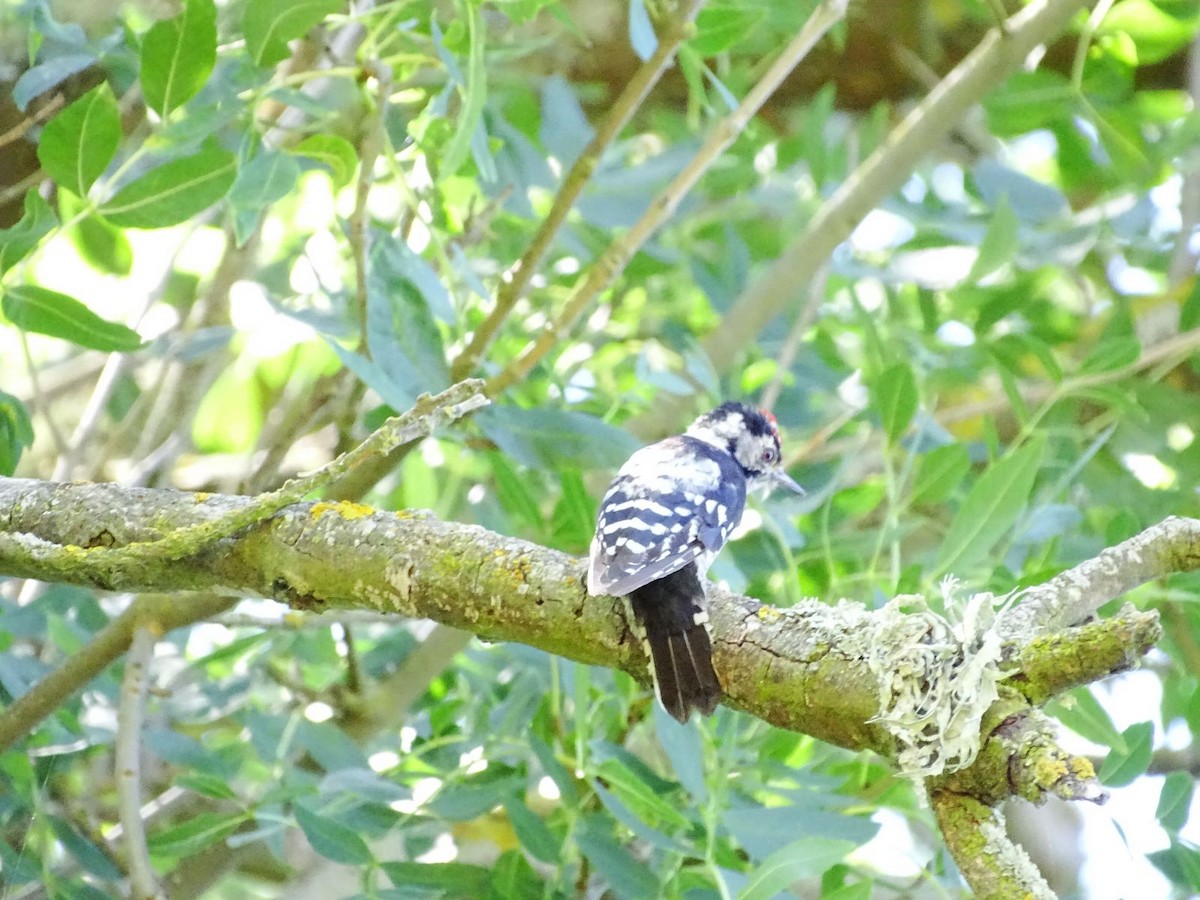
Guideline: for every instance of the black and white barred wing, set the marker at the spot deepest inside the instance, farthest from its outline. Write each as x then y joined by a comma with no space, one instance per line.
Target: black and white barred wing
653,524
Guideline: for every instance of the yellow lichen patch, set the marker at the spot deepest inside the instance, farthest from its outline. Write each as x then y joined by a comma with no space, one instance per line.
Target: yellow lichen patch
1049,770
201,496
768,614
344,508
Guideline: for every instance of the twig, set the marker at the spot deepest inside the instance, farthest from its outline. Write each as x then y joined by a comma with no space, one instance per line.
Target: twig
516,280
1172,545
368,151
127,759
883,172
426,415
791,345
18,131
614,260
1185,258
24,714
39,398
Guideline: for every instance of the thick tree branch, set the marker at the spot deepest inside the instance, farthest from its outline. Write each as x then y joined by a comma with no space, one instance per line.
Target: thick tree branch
805,668
802,668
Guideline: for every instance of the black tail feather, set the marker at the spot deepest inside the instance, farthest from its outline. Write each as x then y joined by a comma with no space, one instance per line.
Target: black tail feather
671,610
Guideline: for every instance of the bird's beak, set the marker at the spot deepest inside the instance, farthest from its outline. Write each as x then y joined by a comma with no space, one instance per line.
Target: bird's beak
780,477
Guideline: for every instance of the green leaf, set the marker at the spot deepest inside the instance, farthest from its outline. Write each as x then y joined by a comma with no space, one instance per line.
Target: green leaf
270,24
1175,800
999,244
206,785
195,834
991,507
78,144
268,177
1028,101
549,438
939,472
473,796
1155,34
894,393
88,855
455,878
43,311
103,246
627,876
650,806
1131,758
332,839
802,859
16,432
533,833
178,56
513,878
35,224
333,151
1082,713
1111,354
719,27
174,192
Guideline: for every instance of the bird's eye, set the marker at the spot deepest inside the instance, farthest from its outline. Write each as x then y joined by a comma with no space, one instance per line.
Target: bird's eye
769,455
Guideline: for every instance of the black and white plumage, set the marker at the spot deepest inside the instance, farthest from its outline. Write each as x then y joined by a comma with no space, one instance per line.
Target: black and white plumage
668,512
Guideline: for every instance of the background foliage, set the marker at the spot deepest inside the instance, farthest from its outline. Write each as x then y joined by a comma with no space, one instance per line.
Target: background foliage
286,219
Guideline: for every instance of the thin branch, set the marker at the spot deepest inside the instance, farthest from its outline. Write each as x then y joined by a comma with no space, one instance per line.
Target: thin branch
883,172
1172,545
1187,254
39,398
516,280
127,759
617,256
369,146
791,344
45,112
109,644
426,415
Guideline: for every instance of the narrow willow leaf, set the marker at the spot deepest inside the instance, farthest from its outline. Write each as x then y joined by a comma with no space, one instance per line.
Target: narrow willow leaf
78,144
999,244
894,394
35,224
270,24
991,507
1127,762
178,56
333,840
939,472
802,859
48,312
333,151
16,432
173,192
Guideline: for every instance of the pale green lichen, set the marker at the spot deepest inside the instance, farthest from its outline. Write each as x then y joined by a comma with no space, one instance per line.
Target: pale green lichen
936,679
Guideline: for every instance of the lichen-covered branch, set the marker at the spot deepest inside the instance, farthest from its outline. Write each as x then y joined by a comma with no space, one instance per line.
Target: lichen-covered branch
1173,545
806,668
995,867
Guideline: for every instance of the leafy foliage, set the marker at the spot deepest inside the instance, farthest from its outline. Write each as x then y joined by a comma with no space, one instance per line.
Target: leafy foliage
292,217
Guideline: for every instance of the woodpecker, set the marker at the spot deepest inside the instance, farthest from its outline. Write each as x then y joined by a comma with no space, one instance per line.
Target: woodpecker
666,515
